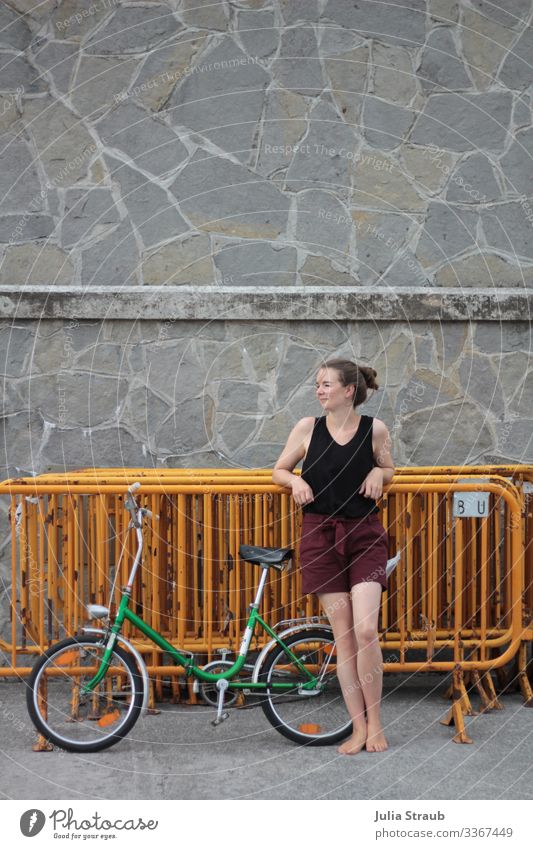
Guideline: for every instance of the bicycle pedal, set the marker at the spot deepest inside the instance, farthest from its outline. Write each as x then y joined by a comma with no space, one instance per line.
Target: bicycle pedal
220,719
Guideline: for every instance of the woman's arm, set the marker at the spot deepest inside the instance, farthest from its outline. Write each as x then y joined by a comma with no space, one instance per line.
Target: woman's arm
383,471
293,452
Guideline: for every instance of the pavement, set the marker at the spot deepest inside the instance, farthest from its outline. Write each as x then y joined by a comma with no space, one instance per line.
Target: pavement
178,754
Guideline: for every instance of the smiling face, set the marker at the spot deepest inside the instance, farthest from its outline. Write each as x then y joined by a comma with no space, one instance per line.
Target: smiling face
330,392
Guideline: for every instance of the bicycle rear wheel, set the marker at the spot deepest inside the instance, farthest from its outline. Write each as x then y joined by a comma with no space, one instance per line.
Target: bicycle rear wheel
319,718
74,721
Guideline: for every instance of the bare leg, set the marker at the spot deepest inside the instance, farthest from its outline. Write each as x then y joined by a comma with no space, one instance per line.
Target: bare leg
366,600
338,608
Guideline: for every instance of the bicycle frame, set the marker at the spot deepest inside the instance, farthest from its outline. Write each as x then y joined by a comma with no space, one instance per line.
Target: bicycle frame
124,613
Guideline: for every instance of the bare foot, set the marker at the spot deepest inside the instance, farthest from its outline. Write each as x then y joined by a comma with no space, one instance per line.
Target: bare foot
375,741
354,744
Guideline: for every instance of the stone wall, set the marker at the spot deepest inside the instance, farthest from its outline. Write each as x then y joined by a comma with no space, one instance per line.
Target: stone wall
266,143
201,200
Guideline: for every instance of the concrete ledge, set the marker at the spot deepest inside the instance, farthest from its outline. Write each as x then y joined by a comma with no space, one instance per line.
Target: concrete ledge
273,303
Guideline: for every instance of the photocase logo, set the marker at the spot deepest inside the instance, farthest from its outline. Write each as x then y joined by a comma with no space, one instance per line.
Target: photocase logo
32,822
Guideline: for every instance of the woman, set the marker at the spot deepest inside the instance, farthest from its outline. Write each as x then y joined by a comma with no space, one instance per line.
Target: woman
343,551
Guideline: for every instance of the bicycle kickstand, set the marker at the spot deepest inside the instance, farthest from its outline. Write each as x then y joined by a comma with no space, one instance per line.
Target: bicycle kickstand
222,686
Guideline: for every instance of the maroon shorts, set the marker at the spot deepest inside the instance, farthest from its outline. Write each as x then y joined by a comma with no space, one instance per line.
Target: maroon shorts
336,552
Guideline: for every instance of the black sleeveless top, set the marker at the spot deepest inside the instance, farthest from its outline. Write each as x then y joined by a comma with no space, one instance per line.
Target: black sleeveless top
335,472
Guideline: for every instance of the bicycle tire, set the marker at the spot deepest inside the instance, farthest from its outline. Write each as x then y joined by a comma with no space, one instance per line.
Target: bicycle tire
326,720
43,723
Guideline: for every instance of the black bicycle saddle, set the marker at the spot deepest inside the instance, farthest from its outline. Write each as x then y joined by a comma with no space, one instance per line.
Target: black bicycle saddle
265,556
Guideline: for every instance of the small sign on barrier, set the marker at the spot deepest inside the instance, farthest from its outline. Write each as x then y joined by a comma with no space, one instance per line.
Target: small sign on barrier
470,504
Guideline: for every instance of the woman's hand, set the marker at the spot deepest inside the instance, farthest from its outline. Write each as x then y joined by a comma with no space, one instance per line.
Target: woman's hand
302,492
372,486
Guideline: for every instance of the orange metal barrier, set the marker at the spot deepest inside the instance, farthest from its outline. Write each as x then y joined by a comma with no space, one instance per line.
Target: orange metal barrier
457,594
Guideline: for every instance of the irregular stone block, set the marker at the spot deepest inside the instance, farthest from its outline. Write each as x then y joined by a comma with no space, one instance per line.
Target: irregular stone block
283,126
104,358
379,182
450,341
134,29
14,31
58,59
444,10
512,13
319,271
255,264
144,412
324,225
458,428
16,344
293,12
222,98
393,362
380,239
204,13
28,8
24,228
236,432
484,44
88,214
298,65
74,19
17,73
334,40
429,166
325,158
99,80
257,32
386,124
185,261
219,196
484,270
76,398
20,187
440,66
9,112
164,68
509,338
21,437
396,22
64,145
150,143
68,448
36,264
464,121
298,366
174,371
238,395
348,75
394,77
151,209
513,441
516,164
481,383
113,260
447,232
507,228
473,182
423,389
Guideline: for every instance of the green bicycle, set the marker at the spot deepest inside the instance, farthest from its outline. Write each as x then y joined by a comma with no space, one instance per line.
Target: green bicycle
87,692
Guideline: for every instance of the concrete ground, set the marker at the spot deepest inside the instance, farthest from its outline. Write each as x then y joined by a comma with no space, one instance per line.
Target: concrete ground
179,755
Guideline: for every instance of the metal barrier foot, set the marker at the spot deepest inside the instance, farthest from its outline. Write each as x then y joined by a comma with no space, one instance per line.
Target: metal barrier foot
42,745
455,715
523,680
488,683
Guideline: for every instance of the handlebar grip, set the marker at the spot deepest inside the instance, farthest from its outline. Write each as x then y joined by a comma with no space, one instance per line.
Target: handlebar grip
134,487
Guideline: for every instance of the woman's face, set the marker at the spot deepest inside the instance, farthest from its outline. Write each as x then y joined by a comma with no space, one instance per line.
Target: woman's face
330,391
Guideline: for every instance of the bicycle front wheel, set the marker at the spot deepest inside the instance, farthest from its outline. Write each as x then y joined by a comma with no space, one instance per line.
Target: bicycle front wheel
82,722
313,718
